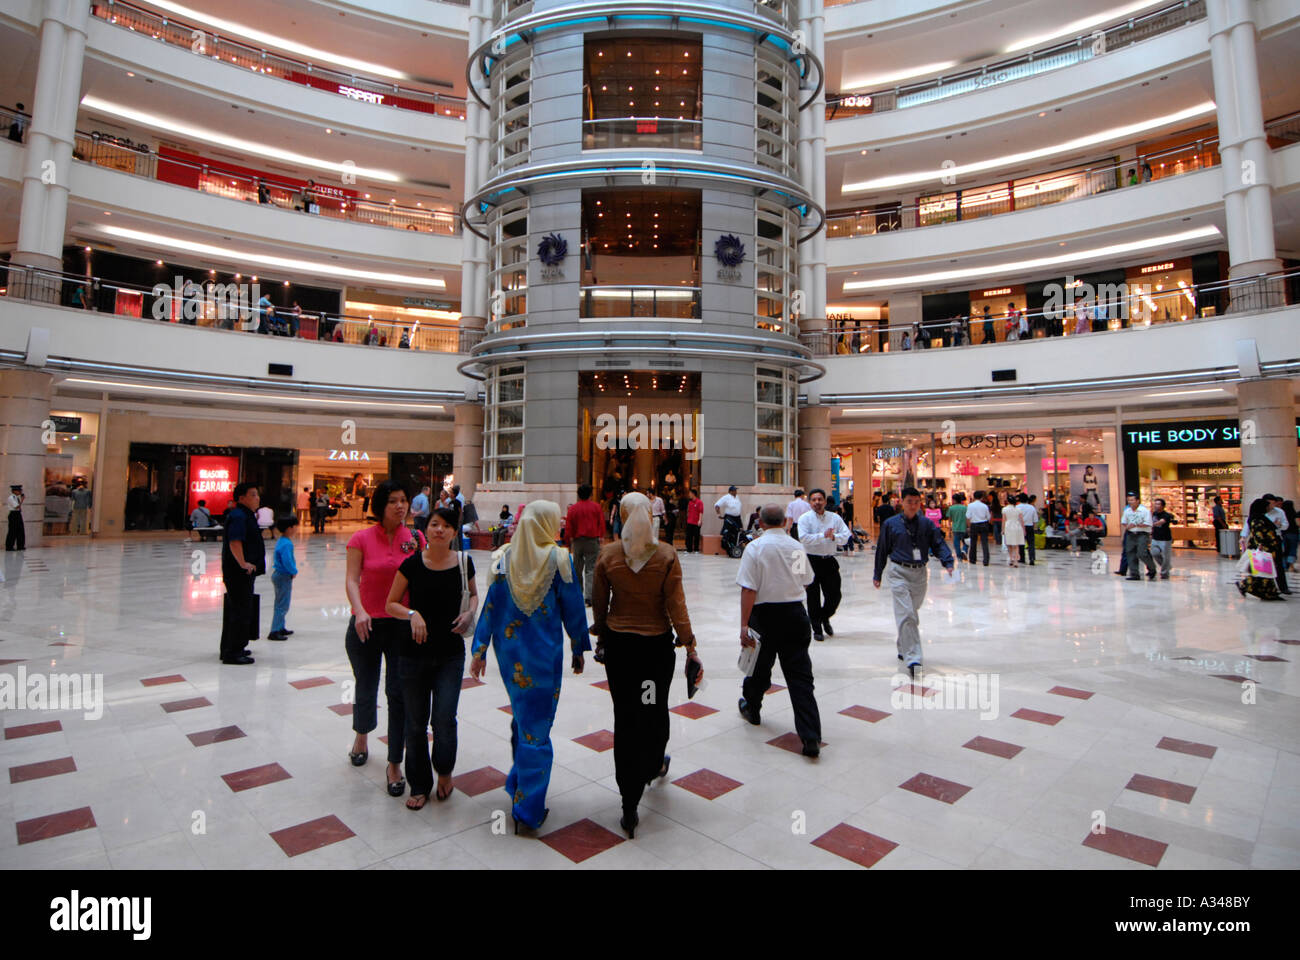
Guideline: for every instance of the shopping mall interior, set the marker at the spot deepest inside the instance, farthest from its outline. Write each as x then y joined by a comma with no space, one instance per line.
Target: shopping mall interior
511,249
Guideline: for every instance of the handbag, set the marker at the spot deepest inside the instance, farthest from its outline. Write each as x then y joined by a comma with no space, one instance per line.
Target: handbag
461,563
1262,564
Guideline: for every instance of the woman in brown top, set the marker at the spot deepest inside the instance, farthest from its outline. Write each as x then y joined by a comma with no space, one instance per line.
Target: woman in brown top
637,602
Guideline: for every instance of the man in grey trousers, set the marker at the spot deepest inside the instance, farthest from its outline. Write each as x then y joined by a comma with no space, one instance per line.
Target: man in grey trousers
906,541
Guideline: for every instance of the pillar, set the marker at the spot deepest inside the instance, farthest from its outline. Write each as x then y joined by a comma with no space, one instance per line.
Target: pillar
47,165
904,310
1268,447
467,447
24,407
474,253
815,448
1247,160
1035,453
812,174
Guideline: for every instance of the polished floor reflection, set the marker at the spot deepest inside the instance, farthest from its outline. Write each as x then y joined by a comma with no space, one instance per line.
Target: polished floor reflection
1067,719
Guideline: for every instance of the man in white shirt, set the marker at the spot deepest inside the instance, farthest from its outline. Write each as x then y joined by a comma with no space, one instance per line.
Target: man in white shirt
657,510
728,508
978,519
1029,516
773,576
795,509
820,532
1136,524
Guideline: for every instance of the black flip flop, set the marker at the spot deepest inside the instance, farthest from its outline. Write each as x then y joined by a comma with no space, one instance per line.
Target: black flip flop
359,759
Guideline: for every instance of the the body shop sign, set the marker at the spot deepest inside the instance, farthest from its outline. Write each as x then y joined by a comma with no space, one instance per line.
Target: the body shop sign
212,479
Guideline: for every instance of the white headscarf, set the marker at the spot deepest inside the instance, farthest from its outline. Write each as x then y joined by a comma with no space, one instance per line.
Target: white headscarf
639,538
531,559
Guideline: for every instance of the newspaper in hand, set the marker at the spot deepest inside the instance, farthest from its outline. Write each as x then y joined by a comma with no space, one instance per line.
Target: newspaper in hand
749,655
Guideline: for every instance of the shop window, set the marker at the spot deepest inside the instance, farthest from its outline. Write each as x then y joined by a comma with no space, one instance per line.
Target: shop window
776,427
642,91
503,434
508,282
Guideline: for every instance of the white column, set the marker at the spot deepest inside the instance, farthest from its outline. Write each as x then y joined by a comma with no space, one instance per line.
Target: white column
904,310
1247,160
1268,446
24,407
473,294
50,139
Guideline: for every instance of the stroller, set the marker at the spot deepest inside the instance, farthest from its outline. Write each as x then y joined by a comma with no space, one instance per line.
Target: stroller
858,540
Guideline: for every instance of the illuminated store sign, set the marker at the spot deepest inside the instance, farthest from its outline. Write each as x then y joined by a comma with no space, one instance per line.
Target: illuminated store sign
999,292
350,455
212,478
857,100
1158,268
352,93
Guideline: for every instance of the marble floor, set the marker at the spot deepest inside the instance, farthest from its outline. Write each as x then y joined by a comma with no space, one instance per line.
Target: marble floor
1132,726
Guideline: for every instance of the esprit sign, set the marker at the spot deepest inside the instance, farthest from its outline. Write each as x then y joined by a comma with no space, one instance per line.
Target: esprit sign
352,93
350,455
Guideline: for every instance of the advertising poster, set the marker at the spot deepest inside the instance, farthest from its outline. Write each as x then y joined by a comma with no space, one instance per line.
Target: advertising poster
1090,482
211,479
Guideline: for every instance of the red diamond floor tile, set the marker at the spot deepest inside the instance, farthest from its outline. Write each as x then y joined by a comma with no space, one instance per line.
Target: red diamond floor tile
32,729
692,711
1187,746
55,825
603,684
600,741
582,840
469,683
1294,643
312,835
1156,787
5,663
774,688
63,643
242,780
916,691
936,788
44,768
791,742
480,781
219,735
1127,845
707,784
1071,692
859,846
868,714
1051,719
1267,658
507,709
996,748
310,682
1234,677
193,703
159,681
342,709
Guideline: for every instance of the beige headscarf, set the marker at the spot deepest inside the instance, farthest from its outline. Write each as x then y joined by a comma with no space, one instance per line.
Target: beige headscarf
639,537
531,559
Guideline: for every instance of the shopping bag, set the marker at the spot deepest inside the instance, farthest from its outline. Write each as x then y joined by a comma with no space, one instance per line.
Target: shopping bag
1262,564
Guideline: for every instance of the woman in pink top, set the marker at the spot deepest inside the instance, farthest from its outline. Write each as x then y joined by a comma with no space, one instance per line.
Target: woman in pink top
374,554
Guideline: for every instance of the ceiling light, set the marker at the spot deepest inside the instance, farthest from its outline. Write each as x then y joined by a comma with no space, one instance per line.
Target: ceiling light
130,74
260,397
1014,159
284,263
220,138
889,79
1187,393
1200,233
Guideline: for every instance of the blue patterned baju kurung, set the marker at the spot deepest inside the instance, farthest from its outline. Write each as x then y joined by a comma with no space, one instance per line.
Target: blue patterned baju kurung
530,654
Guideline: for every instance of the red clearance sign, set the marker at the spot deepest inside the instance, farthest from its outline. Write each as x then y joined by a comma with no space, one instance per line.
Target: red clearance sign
212,479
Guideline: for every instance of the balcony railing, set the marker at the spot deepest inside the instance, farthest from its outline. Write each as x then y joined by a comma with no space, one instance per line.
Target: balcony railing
364,89
1132,310
677,303
1058,55
655,133
227,306
215,178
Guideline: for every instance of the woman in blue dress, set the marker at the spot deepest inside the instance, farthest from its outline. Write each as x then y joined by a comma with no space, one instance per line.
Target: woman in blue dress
533,598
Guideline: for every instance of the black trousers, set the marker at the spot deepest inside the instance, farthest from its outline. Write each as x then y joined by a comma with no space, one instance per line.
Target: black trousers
692,538
16,538
785,633
979,533
824,591
430,690
670,524
239,615
384,645
640,671
1030,532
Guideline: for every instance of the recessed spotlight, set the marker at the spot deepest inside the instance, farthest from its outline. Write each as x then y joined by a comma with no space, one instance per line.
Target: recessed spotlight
158,263
88,249
328,130
130,74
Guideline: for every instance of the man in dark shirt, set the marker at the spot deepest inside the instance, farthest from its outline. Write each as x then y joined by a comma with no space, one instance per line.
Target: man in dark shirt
887,509
1162,537
1220,515
243,557
906,541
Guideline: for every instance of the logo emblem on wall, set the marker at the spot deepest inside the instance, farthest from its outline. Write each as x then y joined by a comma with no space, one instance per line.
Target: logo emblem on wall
730,254
551,250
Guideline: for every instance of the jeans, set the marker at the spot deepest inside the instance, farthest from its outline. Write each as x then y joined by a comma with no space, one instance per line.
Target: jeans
1139,552
1163,553
430,690
640,671
1290,545
385,639
283,584
959,538
824,591
784,632
585,550
979,534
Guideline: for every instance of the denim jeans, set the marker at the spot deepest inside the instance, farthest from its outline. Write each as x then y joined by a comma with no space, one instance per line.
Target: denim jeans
430,690
959,543
283,584
383,645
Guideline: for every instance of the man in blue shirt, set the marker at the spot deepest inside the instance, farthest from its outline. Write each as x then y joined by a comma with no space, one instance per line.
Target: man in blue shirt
420,510
906,541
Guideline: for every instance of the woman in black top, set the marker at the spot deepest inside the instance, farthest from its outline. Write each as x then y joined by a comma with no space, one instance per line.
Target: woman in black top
427,592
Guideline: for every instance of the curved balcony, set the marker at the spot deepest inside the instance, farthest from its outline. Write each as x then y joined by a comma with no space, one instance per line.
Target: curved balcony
648,133
602,304
363,89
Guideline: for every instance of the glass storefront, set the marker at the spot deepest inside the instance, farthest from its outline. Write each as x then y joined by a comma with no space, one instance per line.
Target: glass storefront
70,450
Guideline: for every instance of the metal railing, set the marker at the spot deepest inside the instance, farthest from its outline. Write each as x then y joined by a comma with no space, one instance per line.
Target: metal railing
661,133
1058,55
204,42
213,177
220,305
600,302
1128,309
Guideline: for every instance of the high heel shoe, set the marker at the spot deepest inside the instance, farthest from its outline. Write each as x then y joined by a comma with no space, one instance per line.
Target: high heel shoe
629,822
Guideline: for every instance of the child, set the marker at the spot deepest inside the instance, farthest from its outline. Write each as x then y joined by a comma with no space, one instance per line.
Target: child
283,570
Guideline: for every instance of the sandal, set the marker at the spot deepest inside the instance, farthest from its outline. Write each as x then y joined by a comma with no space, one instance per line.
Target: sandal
397,787
444,794
417,801
359,759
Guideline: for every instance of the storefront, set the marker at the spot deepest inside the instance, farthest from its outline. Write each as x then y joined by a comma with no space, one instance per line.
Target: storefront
1188,463
165,482
999,301
71,444
859,328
